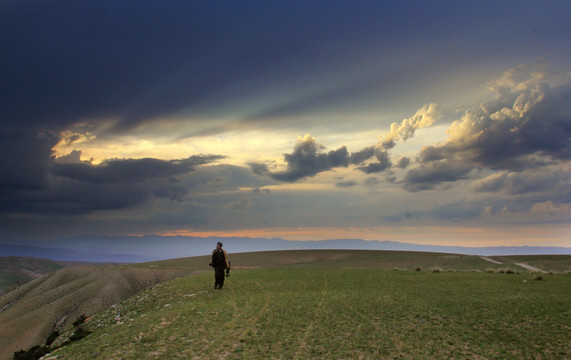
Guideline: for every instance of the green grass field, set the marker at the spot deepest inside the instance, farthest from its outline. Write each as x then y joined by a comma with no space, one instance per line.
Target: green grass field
331,313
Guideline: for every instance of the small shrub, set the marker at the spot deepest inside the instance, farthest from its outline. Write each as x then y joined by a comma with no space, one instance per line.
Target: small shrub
510,271
79,333
34,353
550,272
418,268
80,320
52,337
490,270
436,270
502,271
538,277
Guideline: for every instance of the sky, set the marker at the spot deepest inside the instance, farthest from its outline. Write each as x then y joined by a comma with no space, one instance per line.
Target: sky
429,122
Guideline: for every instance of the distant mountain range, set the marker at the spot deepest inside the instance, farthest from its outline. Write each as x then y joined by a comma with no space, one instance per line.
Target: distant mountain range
130,249
63,254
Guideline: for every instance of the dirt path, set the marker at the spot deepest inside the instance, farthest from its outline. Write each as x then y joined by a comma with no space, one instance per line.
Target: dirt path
523,265
529,267
490,260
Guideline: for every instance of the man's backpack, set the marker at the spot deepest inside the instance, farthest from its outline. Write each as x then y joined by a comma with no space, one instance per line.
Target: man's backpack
218,258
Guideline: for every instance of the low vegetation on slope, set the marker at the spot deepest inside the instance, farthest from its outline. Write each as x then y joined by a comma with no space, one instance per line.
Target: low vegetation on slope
31,312
16,271
324,312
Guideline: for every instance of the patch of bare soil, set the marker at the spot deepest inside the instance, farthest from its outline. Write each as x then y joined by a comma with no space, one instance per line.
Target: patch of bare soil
29,313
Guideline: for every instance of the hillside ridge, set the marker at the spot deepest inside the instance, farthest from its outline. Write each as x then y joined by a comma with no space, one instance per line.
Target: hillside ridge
17,270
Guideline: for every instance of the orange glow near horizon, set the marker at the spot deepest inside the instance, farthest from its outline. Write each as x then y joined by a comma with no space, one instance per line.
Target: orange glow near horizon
426,235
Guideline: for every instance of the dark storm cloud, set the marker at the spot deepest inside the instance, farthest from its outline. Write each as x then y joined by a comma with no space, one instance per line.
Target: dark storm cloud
259,168
127,63
307,159
131,170
70,186
428,176
129,60
431,153
25,159
116,66
79,188
403,163
134,61
73,196
384,163
520,130
526,126
359,156
373,168
521,138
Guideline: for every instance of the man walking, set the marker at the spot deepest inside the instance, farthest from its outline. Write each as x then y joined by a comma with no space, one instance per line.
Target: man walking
219,263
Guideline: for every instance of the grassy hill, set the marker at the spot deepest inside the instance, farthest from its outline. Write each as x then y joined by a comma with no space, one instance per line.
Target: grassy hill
269,305
332,313
365,259
16,271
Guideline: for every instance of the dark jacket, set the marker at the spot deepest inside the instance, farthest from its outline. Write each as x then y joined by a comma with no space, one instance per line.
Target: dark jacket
220,259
